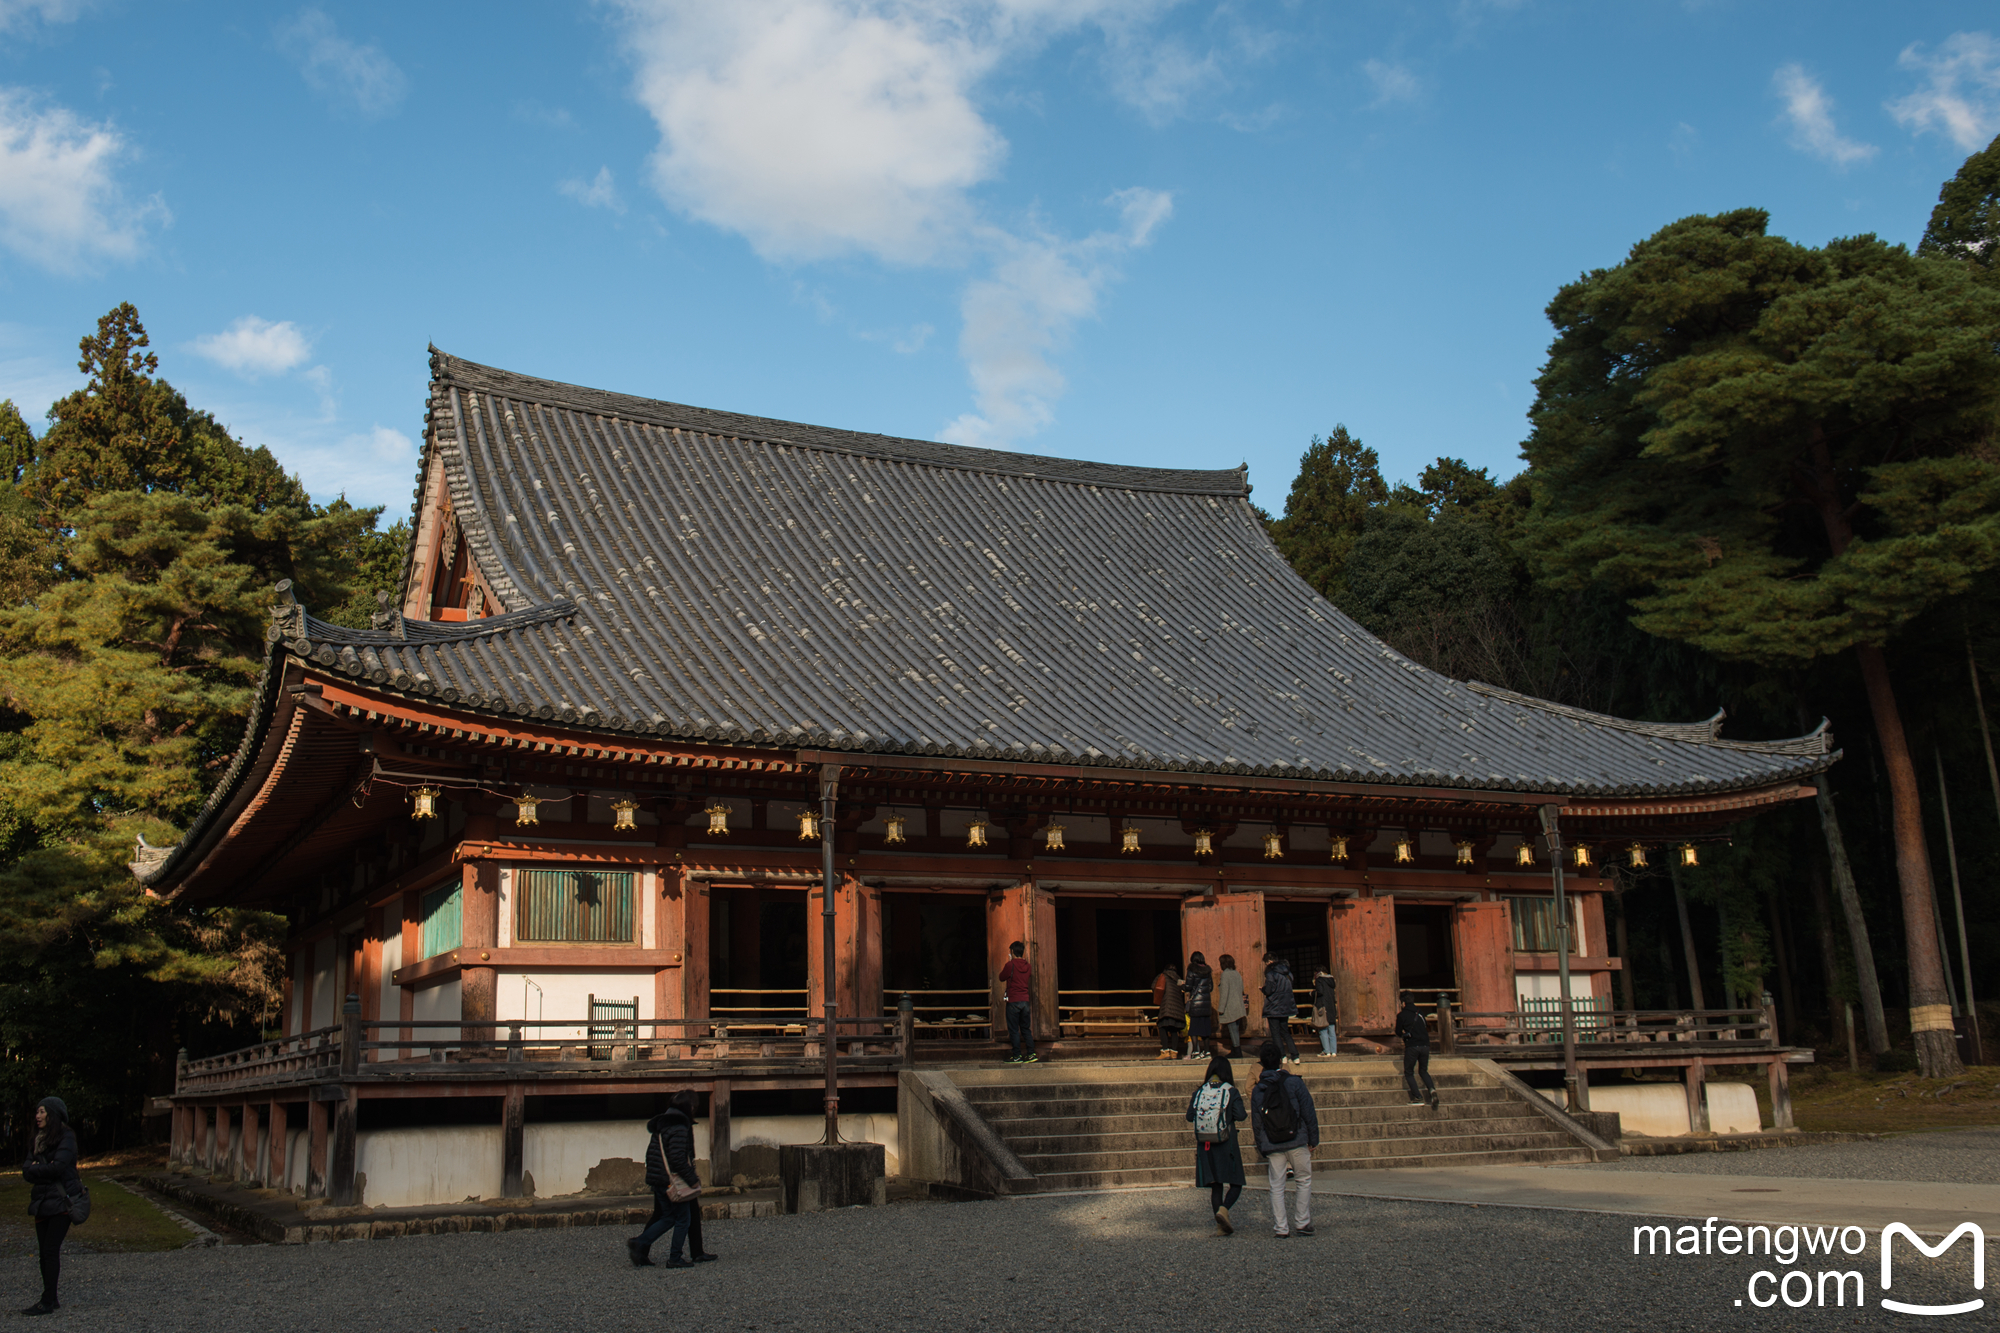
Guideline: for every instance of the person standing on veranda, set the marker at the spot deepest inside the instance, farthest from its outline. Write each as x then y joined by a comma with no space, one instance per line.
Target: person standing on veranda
1231,1008
1281,1006
1020,1007
1215,1109
1325,999
1286,1124
1200,1007
1170,1005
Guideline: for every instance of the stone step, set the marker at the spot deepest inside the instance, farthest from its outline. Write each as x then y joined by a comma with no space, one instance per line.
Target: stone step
1356,1120
1026,1146
1033,1102
1184,1174
1181,1156
1178,1095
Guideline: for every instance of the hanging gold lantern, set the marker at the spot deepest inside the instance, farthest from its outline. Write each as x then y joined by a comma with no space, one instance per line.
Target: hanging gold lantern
1406,852
1635,856
622,812
1204,842
975,833
808,825
424,801
1464,846
524,807
1579,856
718,819
1524,855
1052,837
1687,855
1339,847
1274,847
893,831
1130,838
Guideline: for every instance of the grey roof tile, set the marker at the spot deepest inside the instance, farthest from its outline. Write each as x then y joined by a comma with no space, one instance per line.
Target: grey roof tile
685,572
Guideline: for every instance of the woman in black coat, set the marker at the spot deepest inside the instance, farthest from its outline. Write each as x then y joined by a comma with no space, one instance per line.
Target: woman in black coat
1218,1161
51,1170
670,1156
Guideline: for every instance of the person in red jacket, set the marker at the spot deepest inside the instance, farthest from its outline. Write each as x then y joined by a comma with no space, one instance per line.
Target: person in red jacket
1020,1012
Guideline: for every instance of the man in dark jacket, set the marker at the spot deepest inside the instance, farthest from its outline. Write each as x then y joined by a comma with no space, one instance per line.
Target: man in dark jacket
1286,1137
1416,1037
1017,993
51,1172
670,1156
1281,1006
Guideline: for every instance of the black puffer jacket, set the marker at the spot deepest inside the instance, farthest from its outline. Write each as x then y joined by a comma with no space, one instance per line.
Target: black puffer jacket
51,1172
1201,991
673,1136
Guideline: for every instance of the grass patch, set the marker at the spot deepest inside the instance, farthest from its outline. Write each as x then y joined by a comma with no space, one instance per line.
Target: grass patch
1829,1098
119,1219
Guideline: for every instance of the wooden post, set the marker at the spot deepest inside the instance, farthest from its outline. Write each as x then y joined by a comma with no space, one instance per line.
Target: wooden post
277,1162
513,1140
315,1148
340,1167
218,1159
1697,1104
906,1030
479,986
177,1134
1447,1038
1781,1095
721,1166
247,1161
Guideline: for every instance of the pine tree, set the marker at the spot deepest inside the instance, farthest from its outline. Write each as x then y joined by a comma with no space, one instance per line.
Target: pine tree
1339,481
1965,225
1781,453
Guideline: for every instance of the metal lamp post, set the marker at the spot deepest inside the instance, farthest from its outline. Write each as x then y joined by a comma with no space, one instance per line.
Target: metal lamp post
829,794
1579,1099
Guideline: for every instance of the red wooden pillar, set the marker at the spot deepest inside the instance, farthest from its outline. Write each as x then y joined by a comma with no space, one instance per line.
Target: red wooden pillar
1595,943
857,949
247,1157
480,932
1364,962
277,1162
1026,913
315,1148
1483,942
687,904
220,1160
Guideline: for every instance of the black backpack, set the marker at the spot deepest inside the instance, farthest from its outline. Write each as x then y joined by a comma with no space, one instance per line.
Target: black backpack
1281,1124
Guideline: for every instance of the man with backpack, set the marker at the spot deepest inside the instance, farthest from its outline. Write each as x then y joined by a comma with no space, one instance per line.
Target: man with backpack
1416,1035
1287,1129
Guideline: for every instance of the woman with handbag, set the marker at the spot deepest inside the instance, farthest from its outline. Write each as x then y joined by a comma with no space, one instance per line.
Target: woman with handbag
1215,1109
1326,996
671,1174
51,1170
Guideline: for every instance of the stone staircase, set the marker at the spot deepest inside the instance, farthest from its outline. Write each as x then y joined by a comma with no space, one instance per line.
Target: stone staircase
1112,1126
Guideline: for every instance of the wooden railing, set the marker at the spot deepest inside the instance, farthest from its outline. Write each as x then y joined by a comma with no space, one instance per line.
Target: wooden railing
940,1015
784,1019
1539,1021
285,1060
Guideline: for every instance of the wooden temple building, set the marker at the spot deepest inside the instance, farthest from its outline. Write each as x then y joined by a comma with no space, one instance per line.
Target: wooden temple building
553,821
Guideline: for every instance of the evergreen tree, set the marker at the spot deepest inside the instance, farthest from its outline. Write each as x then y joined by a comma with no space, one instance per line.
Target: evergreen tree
1339,481
1780,453
1966,222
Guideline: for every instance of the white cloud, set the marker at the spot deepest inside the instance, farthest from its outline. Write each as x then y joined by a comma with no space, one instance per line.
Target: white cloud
1961,92
60,206
822,128
1809,111
381,444
347,71
1393,83
1015,319
22,13
599,192
252,347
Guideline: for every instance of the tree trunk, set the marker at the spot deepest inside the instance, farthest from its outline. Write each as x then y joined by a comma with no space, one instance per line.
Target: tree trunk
1781,953
1930,1005
1836,1017
1857,926
1687,941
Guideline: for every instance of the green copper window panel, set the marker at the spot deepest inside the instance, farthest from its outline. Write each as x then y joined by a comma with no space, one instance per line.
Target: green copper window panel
438,910
573,906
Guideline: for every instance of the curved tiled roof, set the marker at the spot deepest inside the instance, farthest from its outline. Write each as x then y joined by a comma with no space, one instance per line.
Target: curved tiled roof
689,573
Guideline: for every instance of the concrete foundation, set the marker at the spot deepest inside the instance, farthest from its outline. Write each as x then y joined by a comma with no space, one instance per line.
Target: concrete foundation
814,1177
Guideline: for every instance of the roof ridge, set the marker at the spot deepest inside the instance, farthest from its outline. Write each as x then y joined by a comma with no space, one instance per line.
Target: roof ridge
457,371
439,631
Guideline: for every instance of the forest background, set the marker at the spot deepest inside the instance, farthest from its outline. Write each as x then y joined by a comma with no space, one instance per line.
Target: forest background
1761,476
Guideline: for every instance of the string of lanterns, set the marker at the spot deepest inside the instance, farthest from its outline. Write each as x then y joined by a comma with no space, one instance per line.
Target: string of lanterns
425,799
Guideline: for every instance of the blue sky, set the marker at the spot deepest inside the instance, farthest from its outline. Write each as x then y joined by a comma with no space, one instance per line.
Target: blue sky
1185,234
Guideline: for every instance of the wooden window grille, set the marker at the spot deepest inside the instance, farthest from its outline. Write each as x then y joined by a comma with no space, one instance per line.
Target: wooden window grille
439,913
573,906
1535,925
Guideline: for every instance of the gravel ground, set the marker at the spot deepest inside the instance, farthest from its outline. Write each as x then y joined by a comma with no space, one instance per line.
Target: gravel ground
1111,1261
1968,1156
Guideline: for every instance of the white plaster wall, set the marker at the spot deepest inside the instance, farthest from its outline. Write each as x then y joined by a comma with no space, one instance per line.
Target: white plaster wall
777,1130
325,1000
560,1156
392,994
444,1001
1732,1108
648,905
506,897
1659,1110
566,995
442,1164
